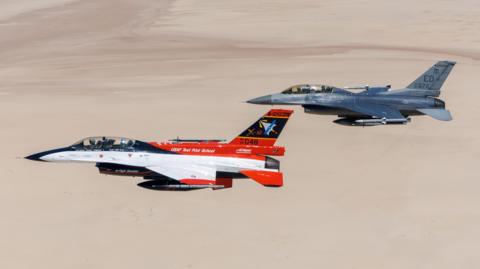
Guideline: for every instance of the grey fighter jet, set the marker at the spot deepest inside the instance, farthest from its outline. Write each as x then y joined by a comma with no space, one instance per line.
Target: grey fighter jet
373,105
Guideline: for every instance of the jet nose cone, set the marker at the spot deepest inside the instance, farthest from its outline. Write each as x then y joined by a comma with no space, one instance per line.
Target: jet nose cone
49,155
263,100
36,157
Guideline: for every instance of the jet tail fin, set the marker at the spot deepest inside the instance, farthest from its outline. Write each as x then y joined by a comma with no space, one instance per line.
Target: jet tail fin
434,77
429,83
266,130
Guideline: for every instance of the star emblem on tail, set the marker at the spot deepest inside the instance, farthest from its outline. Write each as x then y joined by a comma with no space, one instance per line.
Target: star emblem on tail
268,127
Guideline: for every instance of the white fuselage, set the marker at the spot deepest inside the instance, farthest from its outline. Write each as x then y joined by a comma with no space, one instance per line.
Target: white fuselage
148,159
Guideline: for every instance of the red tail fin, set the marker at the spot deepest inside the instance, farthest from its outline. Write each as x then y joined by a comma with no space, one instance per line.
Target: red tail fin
266,130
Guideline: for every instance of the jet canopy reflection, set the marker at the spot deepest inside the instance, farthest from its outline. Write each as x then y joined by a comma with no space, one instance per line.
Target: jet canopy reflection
306,88
106,143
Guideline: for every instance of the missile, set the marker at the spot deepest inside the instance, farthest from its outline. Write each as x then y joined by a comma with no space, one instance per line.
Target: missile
370,122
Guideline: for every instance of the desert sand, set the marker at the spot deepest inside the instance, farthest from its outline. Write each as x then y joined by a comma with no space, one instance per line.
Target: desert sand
382,197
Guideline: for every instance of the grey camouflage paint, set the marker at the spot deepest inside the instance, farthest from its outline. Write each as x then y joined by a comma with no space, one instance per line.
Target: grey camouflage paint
374,105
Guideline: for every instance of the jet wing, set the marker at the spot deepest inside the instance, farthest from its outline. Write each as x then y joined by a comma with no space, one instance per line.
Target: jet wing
181,171
377,111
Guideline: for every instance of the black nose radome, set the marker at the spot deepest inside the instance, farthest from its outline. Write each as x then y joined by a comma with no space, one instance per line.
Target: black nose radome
263,100
35,157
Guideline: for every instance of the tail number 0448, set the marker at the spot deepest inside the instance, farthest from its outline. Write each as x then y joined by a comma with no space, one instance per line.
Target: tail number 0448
248,141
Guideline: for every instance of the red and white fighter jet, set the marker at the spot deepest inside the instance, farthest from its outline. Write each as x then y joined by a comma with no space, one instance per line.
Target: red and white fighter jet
186,164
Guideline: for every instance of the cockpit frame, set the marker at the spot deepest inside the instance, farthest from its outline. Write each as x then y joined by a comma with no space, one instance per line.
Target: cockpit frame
106,143
308,89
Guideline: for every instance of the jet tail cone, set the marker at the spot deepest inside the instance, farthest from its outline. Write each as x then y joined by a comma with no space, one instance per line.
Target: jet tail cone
263,100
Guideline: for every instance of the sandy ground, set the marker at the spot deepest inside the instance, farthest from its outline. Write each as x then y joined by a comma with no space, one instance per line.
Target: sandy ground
383,197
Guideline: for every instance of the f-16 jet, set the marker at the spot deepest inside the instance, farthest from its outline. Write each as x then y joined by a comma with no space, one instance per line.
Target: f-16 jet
373,105
185,164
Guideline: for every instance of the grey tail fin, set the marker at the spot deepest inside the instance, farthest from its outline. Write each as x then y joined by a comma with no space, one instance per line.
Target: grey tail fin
430,82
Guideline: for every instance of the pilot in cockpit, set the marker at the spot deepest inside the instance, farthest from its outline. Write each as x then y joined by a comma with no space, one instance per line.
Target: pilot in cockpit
99,143
123,142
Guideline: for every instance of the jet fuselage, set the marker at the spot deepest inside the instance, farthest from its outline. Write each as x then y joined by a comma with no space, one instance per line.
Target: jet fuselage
185,164
374,105
331,103
232,164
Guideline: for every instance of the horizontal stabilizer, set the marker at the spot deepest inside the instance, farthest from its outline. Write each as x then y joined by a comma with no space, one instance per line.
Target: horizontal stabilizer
266,178
439,114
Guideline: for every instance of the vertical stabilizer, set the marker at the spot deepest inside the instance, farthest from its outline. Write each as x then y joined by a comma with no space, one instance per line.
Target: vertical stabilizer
266,130
430,82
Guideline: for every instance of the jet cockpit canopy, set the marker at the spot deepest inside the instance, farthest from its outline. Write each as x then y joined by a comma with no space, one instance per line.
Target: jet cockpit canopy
306,88
105,143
